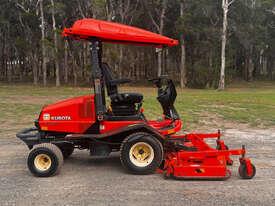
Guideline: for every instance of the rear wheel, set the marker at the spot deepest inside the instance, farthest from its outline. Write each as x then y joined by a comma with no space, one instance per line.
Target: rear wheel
45,160
141,153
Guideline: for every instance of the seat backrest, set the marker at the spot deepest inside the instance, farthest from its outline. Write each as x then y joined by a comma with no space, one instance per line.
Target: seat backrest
108,77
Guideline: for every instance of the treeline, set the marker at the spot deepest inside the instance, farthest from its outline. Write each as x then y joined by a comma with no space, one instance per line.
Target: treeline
32,49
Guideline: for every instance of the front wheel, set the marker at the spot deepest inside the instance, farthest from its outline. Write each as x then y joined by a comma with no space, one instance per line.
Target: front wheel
141,153
45,160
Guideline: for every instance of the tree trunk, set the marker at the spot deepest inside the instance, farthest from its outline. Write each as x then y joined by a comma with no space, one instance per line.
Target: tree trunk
57,78
43,46
120,61
250,66
66,62
250,69
74,71
35,69
159,62
183,55
246,65
183,79
224,31
264,66
161,26
86,60
9,68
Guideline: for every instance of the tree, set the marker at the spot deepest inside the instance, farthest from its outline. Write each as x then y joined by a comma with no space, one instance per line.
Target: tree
183,53
225,7
31,47
43,46
56,56
159,26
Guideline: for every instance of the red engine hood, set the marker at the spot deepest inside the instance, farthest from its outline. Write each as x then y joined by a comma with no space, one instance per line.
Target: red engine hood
116,33
73,115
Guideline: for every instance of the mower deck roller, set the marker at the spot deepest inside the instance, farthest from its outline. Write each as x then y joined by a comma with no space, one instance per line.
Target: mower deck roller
145,146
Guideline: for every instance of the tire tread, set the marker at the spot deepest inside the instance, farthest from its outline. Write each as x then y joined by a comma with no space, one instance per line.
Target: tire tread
126,140
53,148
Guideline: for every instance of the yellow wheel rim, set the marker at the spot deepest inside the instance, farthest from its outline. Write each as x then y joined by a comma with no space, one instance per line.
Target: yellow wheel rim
141,154
42,162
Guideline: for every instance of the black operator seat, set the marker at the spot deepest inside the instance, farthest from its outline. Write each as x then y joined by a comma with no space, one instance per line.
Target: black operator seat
112,90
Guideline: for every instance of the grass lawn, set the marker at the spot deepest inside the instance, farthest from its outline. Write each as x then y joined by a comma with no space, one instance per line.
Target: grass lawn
252,104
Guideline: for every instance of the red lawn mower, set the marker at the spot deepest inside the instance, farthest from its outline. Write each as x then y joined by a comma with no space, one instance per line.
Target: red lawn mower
145,146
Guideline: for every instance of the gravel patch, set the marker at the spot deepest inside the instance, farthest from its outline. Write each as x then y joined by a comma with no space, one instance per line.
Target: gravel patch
85,180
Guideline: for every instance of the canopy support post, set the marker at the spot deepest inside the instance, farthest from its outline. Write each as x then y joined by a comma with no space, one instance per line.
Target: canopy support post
95,50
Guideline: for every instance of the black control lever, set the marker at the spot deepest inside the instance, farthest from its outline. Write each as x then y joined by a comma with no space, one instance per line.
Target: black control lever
157,81
158,78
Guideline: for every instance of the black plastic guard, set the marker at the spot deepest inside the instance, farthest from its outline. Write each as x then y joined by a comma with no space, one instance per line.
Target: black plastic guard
30,136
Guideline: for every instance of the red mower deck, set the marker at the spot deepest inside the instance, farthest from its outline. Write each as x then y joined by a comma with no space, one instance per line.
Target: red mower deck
195,159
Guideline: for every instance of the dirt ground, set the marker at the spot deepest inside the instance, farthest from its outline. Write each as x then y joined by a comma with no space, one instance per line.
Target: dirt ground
85,180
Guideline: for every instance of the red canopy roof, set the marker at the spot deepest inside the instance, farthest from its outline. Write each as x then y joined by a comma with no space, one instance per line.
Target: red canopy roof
116,33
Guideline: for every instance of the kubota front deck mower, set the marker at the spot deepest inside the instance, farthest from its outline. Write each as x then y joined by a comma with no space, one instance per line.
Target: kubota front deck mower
145,146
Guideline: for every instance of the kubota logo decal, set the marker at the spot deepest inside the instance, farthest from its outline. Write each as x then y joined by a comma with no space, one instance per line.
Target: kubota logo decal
58,118
46,116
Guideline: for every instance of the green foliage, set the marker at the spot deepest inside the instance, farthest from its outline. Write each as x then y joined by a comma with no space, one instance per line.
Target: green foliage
250,50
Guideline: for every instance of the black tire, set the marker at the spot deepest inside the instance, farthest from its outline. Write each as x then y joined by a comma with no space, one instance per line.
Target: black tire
52,153
66,148
141,137
243,171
